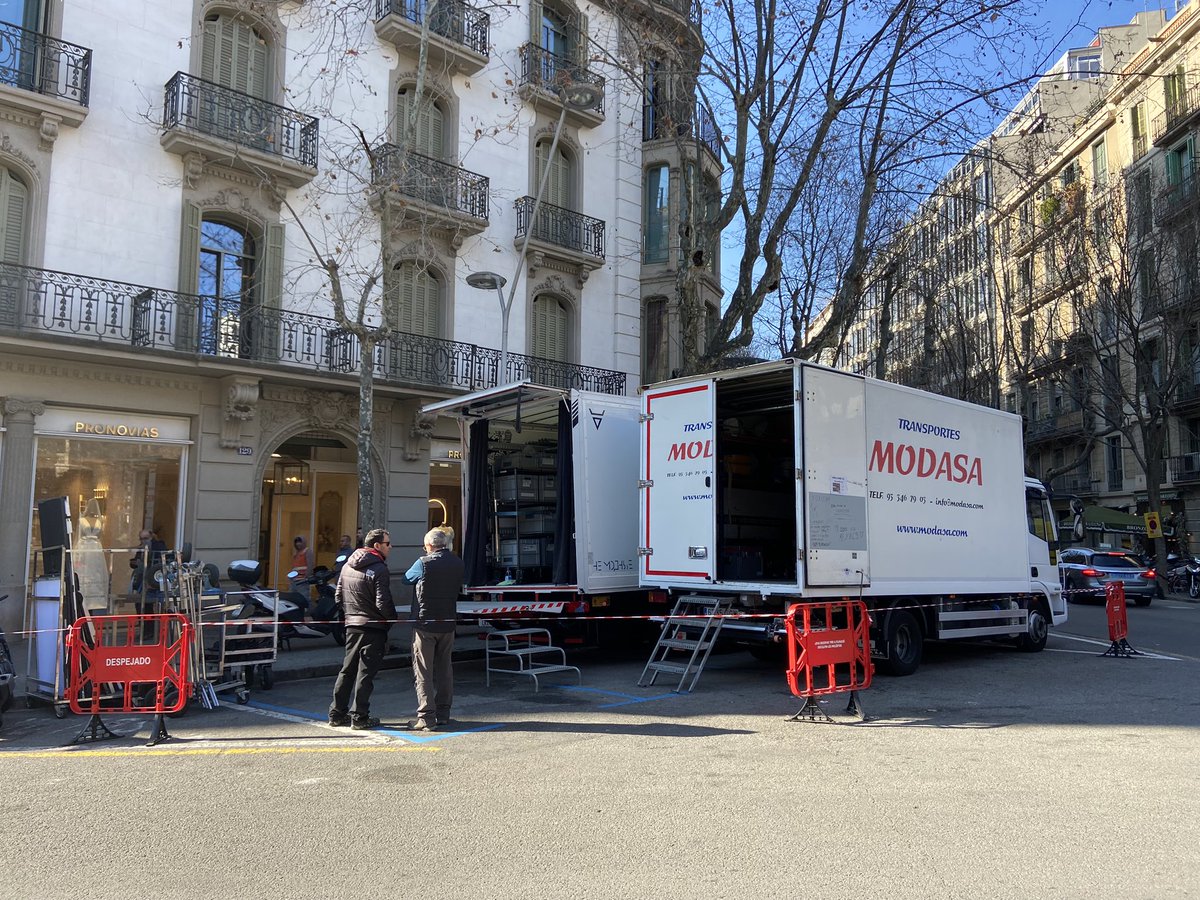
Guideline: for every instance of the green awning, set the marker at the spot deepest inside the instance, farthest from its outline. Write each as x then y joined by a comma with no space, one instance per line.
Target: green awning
1101,518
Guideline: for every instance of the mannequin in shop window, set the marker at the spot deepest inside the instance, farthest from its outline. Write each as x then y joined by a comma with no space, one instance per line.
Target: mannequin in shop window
89,562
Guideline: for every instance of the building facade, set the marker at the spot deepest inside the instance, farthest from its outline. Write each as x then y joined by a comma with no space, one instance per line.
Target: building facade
172,178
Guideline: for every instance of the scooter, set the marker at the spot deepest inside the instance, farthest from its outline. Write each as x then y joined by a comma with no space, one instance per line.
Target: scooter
327,615
1187,576
8,673
289,607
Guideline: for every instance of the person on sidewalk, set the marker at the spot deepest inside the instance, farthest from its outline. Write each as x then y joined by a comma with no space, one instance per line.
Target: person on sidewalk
365,594
438,576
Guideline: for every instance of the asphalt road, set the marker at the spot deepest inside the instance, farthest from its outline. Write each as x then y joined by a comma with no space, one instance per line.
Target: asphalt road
989,773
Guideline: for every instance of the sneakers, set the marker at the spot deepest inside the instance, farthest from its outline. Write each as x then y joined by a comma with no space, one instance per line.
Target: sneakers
419,725
365,724
339,720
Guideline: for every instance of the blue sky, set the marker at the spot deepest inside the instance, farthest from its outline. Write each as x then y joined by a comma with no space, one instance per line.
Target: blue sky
1076,21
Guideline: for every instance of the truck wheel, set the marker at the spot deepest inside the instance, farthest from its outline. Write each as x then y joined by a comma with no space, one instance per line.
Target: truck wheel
905,642
1035,636
1071,591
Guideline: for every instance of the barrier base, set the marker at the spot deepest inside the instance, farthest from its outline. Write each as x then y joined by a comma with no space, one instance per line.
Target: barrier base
1122,649
159,732
95,730
811,710
854,707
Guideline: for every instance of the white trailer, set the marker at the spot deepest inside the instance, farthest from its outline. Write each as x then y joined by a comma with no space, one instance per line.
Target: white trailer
538,502
787,481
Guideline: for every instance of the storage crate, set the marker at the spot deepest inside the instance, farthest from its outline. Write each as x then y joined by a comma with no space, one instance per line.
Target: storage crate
537,523
530,551
548,550
508,554
512,486
548,488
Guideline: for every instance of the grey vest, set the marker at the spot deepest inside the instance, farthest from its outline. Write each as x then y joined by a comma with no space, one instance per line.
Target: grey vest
437,591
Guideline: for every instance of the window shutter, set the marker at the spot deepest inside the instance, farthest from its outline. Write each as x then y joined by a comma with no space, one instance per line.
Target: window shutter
582,46
558,191
210,42
549,337
416,299
234,55
189,277
14,205
403,111
271,295
535,22
434,117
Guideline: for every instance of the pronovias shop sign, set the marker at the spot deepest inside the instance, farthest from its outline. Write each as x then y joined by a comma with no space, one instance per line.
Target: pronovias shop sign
113,424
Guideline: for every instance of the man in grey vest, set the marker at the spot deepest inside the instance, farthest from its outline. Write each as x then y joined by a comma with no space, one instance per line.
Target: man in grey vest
438,576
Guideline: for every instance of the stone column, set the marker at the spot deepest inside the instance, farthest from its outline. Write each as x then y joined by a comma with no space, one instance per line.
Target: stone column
16,504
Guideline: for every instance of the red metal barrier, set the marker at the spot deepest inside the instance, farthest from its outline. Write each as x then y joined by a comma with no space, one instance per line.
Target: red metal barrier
1118,621
113,667
829,651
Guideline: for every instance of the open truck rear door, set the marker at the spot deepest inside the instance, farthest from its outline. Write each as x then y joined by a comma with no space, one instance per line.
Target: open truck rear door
678,485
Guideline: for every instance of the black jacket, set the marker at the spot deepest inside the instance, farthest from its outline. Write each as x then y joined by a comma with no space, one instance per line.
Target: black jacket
364,590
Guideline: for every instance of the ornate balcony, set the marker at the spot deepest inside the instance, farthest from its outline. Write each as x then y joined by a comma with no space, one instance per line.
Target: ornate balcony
544,73
1186,396
419,188
1055,428
1185,469
233,129
44,78
1176,199
458,33
1074,483
1173,121
659,125
562,234
101,316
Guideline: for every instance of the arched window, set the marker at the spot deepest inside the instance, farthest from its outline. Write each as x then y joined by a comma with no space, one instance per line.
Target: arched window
427,134
236,54
559,186
227,282
14,218
549,331
414,298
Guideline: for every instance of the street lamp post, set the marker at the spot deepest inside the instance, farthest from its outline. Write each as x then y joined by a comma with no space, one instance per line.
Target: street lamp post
575,95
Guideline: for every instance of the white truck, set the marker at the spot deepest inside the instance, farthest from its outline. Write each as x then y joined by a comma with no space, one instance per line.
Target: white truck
550,472
787,481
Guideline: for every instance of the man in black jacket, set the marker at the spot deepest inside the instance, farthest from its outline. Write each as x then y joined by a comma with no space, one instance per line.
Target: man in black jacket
364,592
438,576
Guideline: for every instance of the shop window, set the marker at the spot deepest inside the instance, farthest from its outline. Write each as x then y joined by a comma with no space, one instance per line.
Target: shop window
549,330
235,54
414,298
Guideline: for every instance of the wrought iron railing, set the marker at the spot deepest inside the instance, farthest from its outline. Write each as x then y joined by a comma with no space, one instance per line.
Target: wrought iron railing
44,65
562,227
1176,114
659,122
44,303
690,9
1184,468
230,115
452,19
1073,484
1138,147
1176,198
430,180
544,69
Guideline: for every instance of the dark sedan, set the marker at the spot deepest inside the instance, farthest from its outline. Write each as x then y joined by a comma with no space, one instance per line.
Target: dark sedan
1085,573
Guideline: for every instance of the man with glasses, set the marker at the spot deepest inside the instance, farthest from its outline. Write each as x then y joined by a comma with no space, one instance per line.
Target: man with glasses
364,592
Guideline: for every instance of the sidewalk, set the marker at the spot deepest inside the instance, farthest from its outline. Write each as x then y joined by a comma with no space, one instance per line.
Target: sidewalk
322,658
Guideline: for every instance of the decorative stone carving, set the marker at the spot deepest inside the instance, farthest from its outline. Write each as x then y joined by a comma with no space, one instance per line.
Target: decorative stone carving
422,429
11,150
48,130
330,410
241,401
21,409
537,259
193,169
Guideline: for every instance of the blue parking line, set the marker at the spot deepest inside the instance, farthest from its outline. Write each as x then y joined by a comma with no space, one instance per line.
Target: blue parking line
424,737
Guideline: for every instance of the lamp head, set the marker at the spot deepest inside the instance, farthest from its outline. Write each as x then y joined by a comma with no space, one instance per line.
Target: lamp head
579,95
486,281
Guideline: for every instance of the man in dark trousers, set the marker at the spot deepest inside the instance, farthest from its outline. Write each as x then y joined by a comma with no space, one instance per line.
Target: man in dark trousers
438,576
364,592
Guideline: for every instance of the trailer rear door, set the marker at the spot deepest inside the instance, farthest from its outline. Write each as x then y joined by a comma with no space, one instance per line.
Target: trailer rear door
678,509
834,449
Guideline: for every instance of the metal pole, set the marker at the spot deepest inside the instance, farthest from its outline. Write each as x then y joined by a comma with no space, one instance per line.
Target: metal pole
504,308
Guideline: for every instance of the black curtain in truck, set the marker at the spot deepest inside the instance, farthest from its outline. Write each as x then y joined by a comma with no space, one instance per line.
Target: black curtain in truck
475,542
564,510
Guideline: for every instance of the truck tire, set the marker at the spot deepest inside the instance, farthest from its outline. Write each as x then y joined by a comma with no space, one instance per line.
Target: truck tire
1038,632
905,641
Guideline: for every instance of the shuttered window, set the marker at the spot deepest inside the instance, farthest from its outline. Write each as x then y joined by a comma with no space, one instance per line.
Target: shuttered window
236,55
558,185
428,130
415,299
548,337
14,218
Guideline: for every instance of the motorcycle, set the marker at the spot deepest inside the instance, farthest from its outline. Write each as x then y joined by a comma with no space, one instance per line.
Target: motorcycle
8,673
327,615
290,606
1186,578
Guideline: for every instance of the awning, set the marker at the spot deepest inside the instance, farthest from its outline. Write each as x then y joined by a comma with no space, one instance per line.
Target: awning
1102,518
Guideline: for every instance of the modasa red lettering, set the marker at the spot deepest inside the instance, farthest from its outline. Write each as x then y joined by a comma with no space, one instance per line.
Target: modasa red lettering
923,462
690,450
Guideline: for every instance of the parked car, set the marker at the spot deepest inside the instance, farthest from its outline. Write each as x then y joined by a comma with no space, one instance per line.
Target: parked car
1085,573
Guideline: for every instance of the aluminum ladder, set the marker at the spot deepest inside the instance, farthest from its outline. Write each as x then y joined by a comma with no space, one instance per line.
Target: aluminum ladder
692,613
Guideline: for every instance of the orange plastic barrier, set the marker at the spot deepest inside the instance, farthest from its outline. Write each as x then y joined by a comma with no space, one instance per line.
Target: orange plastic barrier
113,667
1118,621
829,651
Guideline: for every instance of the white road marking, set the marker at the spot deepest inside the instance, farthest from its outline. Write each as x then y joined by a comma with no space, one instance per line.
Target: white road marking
1083,640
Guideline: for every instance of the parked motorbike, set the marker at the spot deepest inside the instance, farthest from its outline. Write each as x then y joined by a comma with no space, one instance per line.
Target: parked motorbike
1186,578
327,615
8,673
290,606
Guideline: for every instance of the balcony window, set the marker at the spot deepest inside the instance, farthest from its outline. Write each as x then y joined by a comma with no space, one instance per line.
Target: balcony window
655,351
656,213
227,284
1116,469
236,55
414,299
1137,130
426,130
550,328
559,190
1099,164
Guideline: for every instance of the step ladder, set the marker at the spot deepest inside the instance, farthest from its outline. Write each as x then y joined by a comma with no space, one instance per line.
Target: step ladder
692,627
